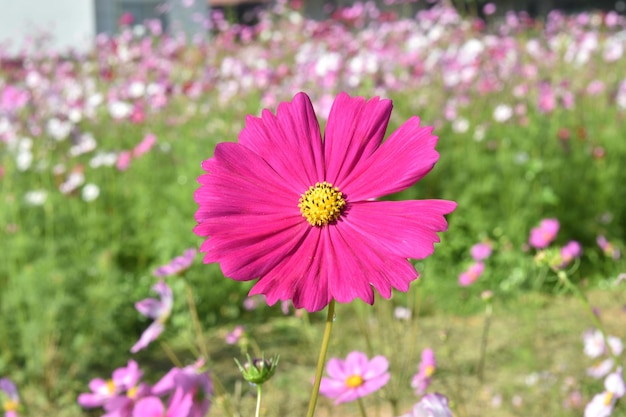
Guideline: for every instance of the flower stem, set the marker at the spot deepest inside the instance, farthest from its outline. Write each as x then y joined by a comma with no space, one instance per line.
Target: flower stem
359,401
321,361
259,388
484,340
596,321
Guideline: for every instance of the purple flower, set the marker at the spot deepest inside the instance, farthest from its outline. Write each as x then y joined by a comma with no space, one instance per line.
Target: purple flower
10,397
431,405
542,236
159,310
472,273
481,251
177,265
354,377
192,381
421,380
116,395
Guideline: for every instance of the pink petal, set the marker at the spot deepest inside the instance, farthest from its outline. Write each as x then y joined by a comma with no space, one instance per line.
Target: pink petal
373,384
348,395
148,407
299,277
402,160
356,363
149,307
333,388
289,142
335,369
354,131
149,335
377,366
407,229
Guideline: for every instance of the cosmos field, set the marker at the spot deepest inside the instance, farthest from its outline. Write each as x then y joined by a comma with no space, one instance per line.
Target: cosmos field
520,310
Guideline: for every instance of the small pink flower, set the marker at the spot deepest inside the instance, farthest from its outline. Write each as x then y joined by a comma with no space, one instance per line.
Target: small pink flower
234,336
472,273
115,393
602,404
159,310
481,251
489,9
176,265
192,381
431,405
354,377
126,19
569,252
421,380
608,248
123,160
542,236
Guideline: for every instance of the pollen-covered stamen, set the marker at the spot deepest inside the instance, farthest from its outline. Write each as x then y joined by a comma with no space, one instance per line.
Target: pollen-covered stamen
354,381
321,204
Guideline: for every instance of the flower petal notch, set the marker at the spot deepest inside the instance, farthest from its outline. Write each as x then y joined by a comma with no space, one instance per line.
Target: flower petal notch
300,212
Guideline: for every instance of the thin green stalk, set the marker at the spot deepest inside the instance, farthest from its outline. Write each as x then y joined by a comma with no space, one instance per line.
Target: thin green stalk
196,322
596,321
484,340
259,393
321,361
359,401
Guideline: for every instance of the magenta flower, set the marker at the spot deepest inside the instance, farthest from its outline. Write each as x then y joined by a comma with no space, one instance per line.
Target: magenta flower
9,397
302,214
192,381
542,236
152,406
569,252
472,273
481,251
159,310
431,405
144,146
354,377
176,265
421,380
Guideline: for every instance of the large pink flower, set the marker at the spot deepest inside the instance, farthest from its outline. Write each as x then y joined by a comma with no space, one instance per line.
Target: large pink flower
301,213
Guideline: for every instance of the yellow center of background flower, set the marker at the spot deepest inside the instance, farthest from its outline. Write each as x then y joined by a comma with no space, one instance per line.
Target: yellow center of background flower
321,204
608,398
354,381
10,405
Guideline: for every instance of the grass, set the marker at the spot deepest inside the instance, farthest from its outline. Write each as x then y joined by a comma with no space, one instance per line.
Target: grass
71,270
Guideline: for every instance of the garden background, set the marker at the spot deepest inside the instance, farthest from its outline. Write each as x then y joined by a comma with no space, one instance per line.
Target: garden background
100,151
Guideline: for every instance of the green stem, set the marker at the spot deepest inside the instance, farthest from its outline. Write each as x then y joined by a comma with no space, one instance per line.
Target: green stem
484,339
359,401
321,361
258,400
596,321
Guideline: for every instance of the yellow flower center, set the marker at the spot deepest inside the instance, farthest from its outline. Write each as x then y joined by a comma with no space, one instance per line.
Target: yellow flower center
321,204
132,392
354,381
429,371
10,405
111,386
608,398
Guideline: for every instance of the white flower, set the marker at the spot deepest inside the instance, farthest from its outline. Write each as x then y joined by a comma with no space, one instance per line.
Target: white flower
90,192
502,113
35,197
460,125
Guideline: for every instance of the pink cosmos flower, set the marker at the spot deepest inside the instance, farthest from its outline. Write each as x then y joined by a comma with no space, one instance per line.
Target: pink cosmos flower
602,404
152,406
608,248
489,9
123,160
569,252
10,398
117,393
159,310
421,380
192,381
176,265
234,336
481,251
302,214
594,345
472,273
542,236
431,405
354,377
